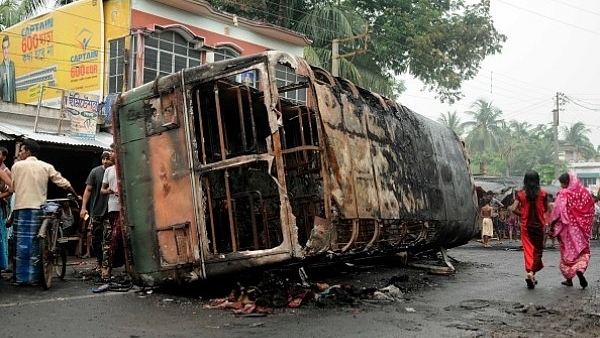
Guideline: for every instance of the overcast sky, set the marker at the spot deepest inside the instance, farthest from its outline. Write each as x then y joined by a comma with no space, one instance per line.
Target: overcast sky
552,46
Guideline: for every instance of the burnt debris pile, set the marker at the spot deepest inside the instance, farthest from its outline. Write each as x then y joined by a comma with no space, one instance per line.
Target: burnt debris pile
272,291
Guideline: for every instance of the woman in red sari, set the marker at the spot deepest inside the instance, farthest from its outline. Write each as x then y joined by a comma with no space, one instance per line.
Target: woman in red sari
531,204
572,219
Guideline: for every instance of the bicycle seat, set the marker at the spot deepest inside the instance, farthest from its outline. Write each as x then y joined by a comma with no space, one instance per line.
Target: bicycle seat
50,207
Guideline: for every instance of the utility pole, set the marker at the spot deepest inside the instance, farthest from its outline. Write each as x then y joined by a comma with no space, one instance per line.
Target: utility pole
335,50
555,131
335,57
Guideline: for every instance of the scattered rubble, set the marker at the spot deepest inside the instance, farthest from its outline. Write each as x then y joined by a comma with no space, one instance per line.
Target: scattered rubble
273,291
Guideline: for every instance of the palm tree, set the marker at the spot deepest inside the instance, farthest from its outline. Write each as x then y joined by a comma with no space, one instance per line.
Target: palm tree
327,21
542,131
485,127
539,153
15,11
322,22
520,131
513,141
577,135
8,13
483,130
452,121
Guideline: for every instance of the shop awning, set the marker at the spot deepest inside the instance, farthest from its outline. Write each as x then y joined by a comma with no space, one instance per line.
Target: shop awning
6,137
10,132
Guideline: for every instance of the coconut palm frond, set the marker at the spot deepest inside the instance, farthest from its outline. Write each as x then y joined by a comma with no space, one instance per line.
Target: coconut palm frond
326,23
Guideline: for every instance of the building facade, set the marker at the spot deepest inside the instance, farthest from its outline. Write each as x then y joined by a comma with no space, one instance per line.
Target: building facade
91,50
588,173
104,47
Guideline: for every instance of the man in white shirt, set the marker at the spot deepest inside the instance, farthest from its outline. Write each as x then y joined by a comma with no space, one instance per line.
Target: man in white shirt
112,246
30,182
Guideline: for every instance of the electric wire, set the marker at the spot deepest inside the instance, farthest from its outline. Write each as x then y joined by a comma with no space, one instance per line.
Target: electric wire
551,18
585,10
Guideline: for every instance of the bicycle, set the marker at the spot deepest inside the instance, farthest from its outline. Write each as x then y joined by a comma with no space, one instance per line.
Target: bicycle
53,253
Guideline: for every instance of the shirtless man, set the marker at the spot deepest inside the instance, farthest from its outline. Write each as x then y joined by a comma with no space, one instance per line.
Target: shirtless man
487,229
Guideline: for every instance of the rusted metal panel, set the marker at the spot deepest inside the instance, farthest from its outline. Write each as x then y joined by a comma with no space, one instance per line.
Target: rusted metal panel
172,200
156,180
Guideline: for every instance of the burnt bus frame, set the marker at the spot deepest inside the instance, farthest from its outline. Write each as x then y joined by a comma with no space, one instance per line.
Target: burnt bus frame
225,167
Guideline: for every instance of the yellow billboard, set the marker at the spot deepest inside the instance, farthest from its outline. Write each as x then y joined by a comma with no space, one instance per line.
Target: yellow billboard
60,50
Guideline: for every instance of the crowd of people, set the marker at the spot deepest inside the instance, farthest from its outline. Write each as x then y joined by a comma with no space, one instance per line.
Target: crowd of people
23,190
496,223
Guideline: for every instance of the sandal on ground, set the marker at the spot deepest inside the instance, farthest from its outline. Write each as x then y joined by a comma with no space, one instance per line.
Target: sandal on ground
530,280
582,281
567,282
103,280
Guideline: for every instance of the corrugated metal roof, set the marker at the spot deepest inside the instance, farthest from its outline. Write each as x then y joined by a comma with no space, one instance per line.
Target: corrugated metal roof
103,140
6,137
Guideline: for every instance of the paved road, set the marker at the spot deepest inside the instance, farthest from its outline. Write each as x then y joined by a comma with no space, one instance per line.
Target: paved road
488,282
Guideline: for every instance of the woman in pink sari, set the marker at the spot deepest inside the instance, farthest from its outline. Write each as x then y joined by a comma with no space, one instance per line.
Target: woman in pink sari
572,219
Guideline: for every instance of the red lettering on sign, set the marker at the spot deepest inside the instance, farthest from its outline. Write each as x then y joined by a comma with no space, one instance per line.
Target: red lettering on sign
83,70
31,42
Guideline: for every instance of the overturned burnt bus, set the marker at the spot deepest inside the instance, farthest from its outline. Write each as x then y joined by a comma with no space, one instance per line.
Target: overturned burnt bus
265,159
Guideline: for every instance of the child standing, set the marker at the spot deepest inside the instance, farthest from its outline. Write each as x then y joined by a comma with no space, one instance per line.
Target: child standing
511,222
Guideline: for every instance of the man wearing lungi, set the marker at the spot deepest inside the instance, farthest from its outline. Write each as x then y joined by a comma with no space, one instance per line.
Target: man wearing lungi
30,181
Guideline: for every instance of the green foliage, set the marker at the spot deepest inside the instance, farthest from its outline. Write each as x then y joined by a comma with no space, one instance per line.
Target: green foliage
15,11
546,172
250,9
442,43
453,122
328,21
513,148
285,13
485,128
492,161
9,13
577,135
